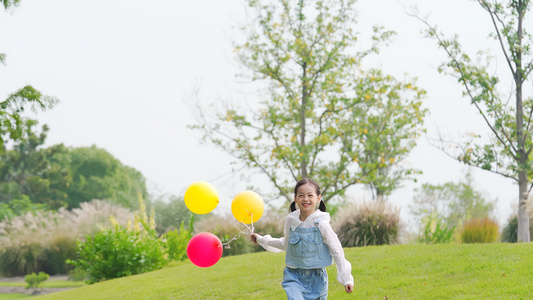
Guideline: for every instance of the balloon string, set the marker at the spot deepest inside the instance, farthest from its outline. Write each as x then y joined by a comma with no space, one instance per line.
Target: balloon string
249,230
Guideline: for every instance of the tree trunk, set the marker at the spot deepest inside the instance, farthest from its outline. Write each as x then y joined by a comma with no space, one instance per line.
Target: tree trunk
523,217
303,158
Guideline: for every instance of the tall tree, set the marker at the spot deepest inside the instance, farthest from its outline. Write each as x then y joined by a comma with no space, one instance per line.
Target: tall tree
508,151
323,116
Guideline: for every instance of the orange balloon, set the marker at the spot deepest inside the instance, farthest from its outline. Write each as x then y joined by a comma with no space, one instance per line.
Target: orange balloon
247,207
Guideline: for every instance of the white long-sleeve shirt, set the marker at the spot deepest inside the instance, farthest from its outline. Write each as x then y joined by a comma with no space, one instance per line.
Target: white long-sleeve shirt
344,268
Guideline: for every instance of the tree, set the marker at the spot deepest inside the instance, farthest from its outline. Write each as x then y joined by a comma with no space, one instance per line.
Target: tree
13,125
10,3
28,172
59,176
96,174
323,116
170,213
454,203
507,151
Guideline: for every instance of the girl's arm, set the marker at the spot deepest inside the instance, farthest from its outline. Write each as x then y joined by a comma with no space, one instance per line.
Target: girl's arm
270,243
344,268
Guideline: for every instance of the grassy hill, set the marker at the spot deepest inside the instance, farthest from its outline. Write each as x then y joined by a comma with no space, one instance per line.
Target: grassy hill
480,271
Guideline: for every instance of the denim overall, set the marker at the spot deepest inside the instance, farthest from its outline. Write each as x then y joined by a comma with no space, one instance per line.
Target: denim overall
307,256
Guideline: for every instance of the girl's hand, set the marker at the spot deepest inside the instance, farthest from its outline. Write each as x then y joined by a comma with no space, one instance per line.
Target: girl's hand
348,288
254,237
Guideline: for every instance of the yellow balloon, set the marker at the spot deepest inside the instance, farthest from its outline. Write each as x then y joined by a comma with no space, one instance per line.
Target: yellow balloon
247,207
201,197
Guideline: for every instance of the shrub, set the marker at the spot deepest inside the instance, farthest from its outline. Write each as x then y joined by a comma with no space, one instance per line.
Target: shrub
480,231
122,251
177,241
510,231
371,223
77,275
34,280
436,231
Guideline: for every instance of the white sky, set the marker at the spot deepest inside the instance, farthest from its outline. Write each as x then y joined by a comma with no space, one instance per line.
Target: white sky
123,71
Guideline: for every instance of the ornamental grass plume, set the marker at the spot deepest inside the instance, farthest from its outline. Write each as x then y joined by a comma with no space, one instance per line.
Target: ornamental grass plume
43,240
480,231
368,223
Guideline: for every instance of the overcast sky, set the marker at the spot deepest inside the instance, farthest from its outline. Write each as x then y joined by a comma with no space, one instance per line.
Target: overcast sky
124,72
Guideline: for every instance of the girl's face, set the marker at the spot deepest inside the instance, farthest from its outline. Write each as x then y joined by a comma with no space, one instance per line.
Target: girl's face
307,199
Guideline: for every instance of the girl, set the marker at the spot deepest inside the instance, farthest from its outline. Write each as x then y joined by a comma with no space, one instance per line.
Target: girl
311,245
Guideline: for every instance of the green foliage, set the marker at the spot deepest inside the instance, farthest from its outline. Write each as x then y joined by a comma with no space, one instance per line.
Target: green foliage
34,280
177,241
13,125
96,174
122,251
480,231
510,231
118,253
454,203
10,3
323,117
170,213
436,231
60,176
17,207
77,275
368,224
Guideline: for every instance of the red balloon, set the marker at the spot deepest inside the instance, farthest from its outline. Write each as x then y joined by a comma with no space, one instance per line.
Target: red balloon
204,249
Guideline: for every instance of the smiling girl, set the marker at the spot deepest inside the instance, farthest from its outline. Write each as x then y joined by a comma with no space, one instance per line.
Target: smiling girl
311,246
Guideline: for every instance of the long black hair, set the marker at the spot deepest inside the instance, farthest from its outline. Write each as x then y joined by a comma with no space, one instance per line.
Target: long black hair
321,206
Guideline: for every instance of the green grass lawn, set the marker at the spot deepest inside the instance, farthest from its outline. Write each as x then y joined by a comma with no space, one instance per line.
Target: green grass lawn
479,271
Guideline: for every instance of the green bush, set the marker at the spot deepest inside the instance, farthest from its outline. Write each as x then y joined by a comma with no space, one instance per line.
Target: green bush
122,251
118,253
34,280
510,231
480,231
177,241
436,231
77,275
371,223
